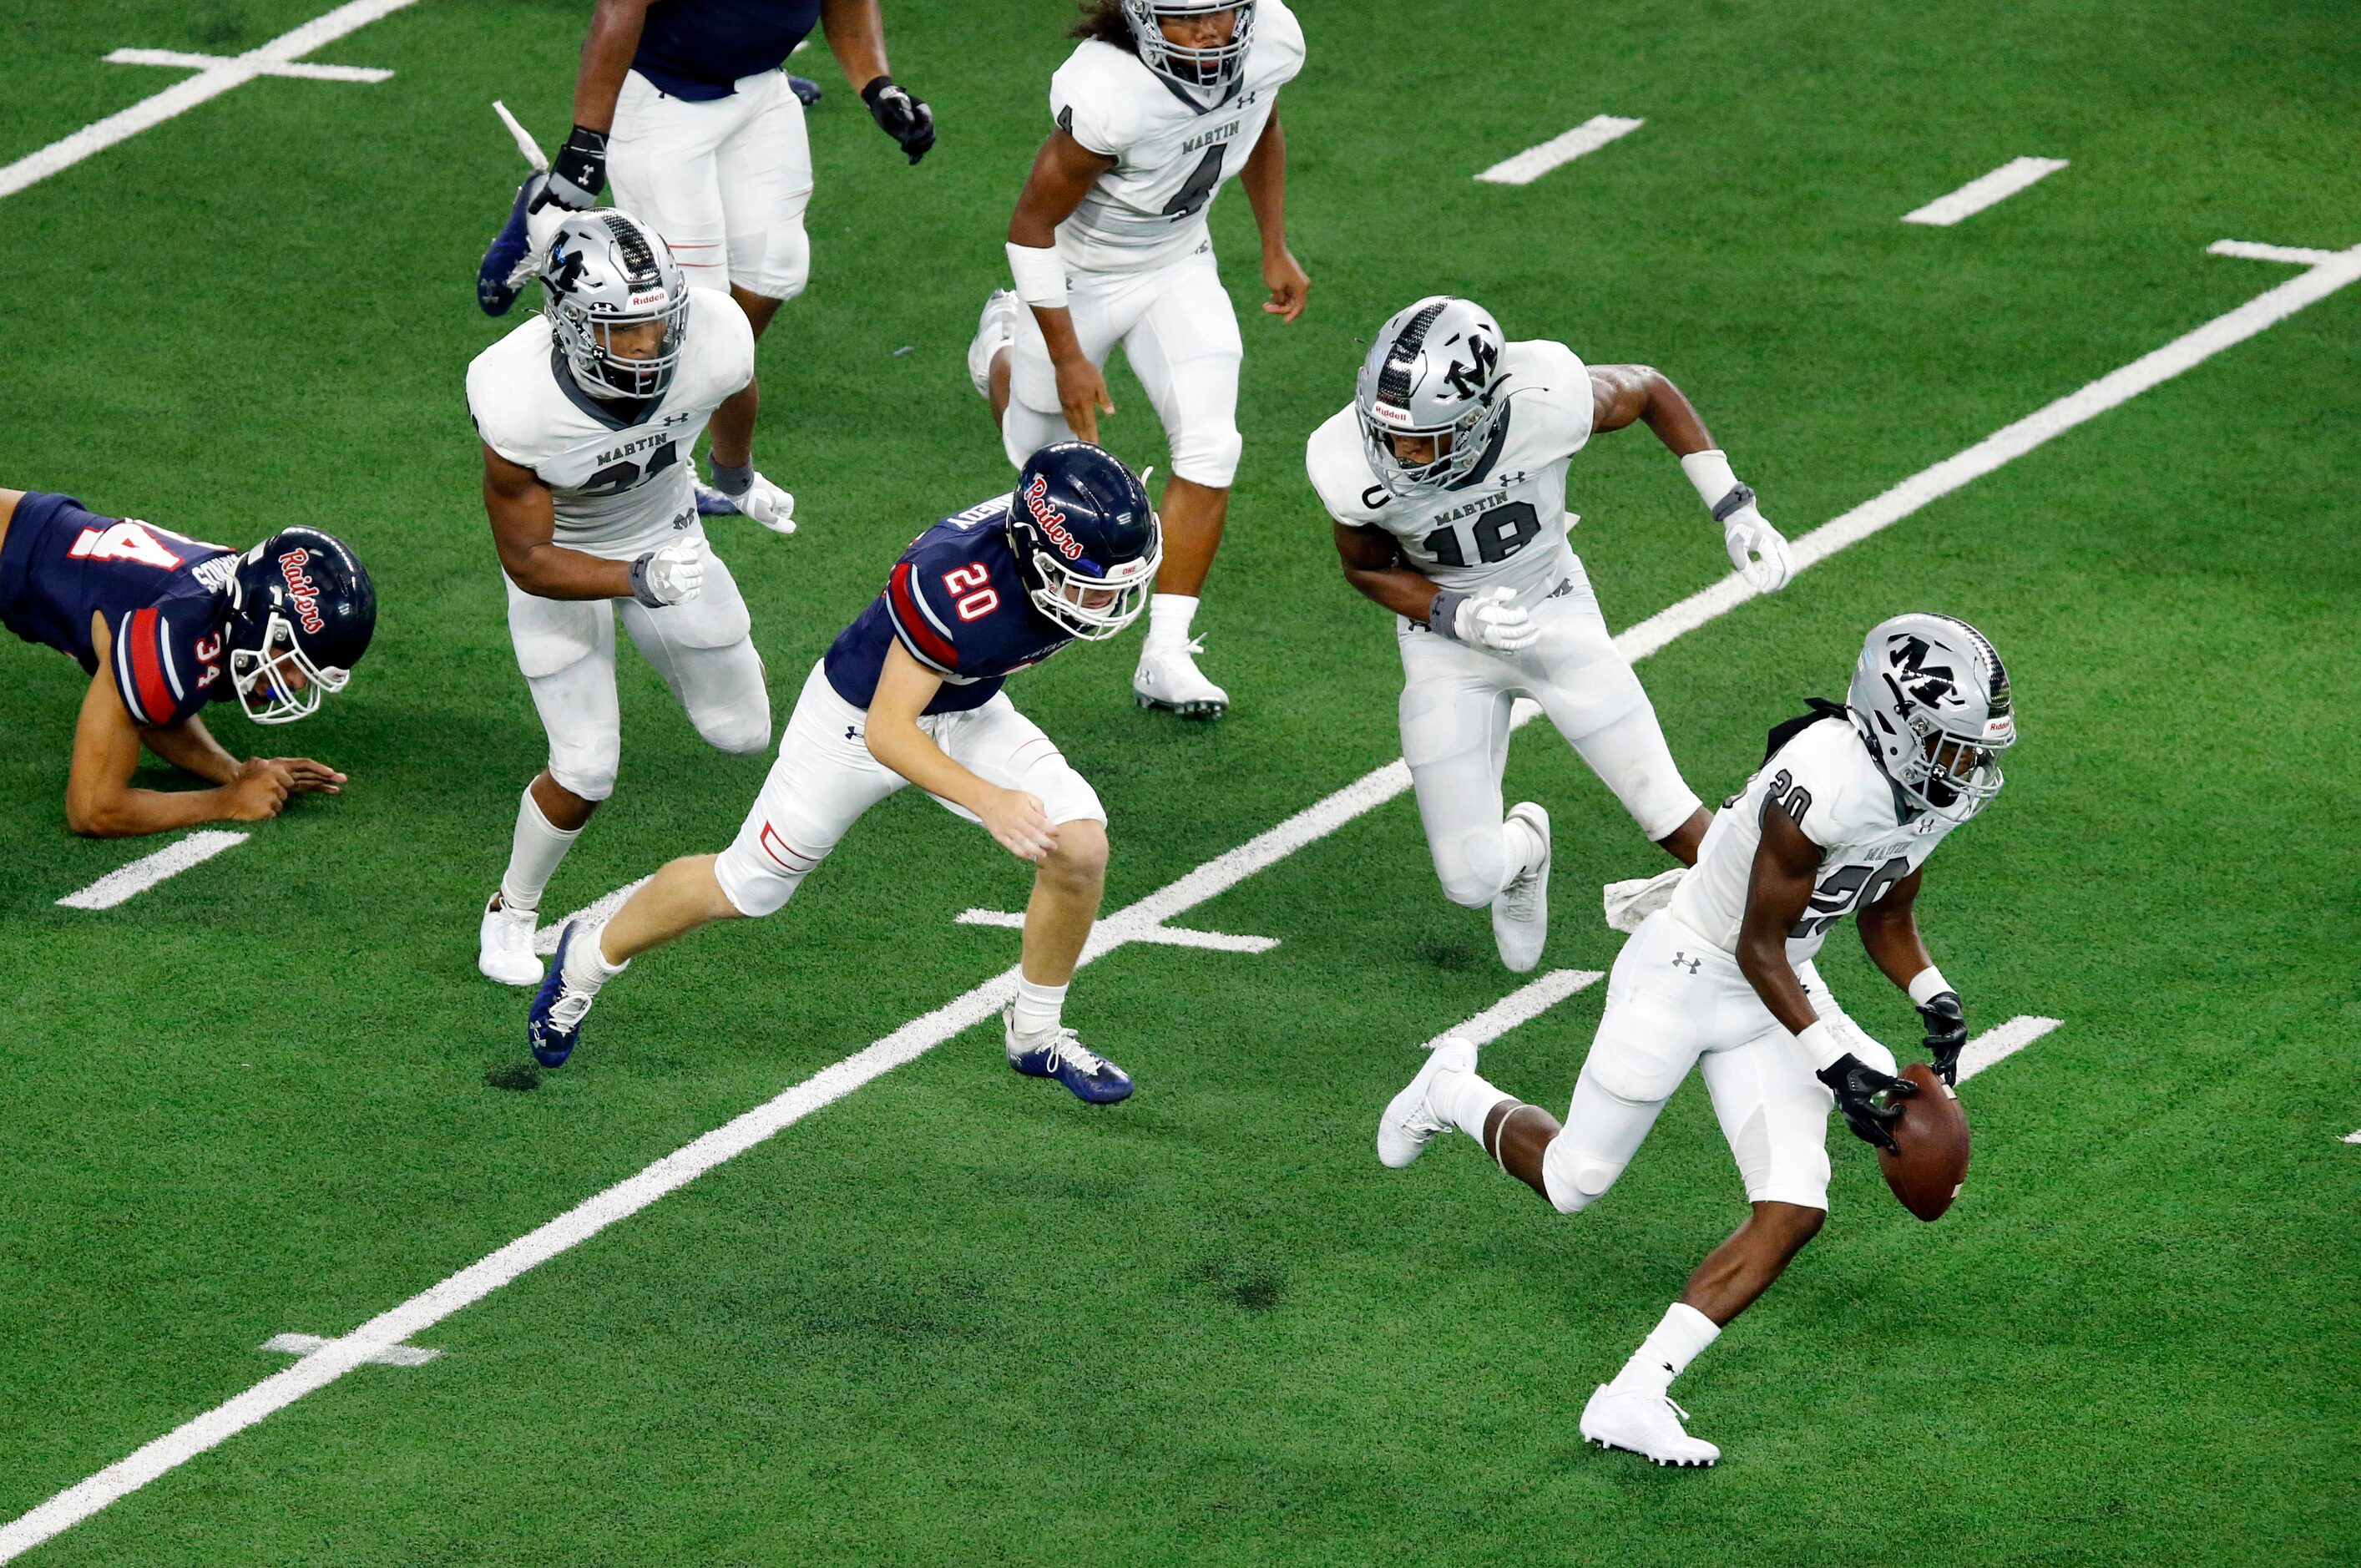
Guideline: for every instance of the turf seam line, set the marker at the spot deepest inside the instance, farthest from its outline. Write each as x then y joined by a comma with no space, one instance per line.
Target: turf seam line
1984,191
129,882
1165,936
323,1367
304,1344
1535,161
215,75
2001,1042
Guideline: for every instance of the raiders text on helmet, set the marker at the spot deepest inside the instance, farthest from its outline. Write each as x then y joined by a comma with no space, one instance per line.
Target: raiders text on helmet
1208,75
617,302
1934,697
1087,542
1432,373
303,612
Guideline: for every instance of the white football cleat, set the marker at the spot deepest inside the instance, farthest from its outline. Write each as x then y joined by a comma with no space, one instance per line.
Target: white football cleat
1629,902
1646,1424
1168,677
994,331
504,945
1410,1120
1520,913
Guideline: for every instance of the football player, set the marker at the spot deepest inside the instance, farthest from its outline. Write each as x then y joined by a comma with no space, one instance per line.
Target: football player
586,415
1850,802
164,624
1162,102
1446,480
684,104
910,693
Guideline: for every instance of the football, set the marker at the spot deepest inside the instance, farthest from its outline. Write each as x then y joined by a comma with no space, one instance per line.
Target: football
1932,1145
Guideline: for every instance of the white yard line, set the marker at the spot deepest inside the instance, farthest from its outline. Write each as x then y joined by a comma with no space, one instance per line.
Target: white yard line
2002,1042
1165,936
127,881
215,75
174,58
1535,161
544,941
1522,1005
921,1034
2292,254
305,1345
2352,1137
1984,191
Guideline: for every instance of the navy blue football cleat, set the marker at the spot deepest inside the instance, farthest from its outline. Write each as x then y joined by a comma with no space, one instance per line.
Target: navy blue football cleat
494,292
806,90
1092,1078
554,1027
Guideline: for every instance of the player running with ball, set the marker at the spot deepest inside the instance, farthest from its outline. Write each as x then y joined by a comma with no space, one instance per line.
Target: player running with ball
1446,479
1848,803
910,693
1162,102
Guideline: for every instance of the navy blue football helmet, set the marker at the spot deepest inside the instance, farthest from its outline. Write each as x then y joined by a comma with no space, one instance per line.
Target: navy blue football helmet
1086,539
303,610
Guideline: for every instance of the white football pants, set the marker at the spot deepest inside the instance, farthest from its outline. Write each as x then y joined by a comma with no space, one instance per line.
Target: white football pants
825,778
1676,1001
1456,707
725,182
1181,336
704,649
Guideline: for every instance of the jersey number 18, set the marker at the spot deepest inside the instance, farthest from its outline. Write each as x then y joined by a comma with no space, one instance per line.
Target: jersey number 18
1500,533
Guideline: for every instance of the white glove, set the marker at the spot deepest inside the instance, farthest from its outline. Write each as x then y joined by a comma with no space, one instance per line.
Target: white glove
767,504
1490,620
670,575
1747,532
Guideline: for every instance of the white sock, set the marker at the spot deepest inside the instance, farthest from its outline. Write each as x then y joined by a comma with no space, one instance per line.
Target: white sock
1524,846
1168,618
587,968
1666,1353
1466,1100
1036,1008
533,855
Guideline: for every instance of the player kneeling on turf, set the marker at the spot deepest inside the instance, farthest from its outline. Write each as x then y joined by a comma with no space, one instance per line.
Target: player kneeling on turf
1848,803
910,693
164,624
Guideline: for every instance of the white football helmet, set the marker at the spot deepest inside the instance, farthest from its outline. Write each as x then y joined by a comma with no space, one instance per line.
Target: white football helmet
608,278
1933,695
1207,75
1433,371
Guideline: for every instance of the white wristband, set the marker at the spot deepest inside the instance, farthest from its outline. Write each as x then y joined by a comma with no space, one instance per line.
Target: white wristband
1709,472
1040,276
1928,982
1822,1043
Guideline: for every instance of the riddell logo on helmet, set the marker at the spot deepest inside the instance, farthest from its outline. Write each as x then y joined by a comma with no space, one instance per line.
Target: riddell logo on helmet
305,593
1052,520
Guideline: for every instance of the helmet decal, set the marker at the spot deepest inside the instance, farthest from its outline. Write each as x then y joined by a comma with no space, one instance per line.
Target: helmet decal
565,268
1931,685
1473,380
301,589
1052,520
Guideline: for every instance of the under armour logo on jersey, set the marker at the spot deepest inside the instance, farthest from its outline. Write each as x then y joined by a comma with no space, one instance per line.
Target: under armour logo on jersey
1467,380
1681,960
853,732
1934,685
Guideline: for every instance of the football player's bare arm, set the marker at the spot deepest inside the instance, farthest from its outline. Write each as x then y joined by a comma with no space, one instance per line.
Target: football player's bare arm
904,686
1265,179
1373,564
856,36
606,60
524,522
101,803
1624,394
1889,931
1778,891
1063,172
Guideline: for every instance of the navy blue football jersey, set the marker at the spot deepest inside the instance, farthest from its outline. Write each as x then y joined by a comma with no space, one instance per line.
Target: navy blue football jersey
955,602
163,595
698,48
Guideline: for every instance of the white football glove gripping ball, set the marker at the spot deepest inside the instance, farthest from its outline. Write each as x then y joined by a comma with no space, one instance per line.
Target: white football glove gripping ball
1748,532
1490,620
669,576
767,504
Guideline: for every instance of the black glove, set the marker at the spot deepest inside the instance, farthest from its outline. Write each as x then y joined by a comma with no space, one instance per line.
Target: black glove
1947,1031
901,115
579,173
1865,1096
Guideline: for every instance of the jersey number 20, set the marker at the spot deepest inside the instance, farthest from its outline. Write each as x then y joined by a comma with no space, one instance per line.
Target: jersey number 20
973,593
1500,533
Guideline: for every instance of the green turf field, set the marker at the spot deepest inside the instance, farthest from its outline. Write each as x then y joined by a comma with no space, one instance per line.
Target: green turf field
957,1317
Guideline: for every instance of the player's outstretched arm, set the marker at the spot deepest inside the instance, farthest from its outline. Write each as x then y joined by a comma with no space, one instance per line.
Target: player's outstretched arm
579,173
101,803
1265,179
904,686
856,36
524,522
1063,172
1623,394
1889,930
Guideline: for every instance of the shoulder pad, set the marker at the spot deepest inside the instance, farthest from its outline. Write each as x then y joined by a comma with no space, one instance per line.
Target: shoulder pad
1093,102
1339,470
168,661
1278,44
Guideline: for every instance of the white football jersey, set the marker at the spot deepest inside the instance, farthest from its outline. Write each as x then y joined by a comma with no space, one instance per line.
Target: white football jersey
621,488
1171,157
1826,779
1504,526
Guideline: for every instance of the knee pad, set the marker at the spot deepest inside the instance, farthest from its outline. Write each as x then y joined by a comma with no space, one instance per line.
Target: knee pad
760,868
1207,456
742,730
781,269
1575,1177
1024,430
586,764
1476,869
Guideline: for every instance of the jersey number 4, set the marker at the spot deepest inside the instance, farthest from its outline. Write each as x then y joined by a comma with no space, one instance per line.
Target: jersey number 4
972,592
1500,533
1198,189
124,541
